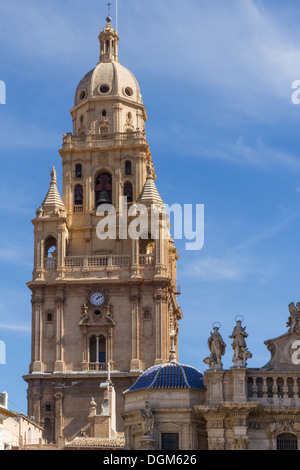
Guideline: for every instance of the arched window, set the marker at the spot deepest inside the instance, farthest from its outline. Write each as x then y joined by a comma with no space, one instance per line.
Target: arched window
287,441
147,246
78,195
98,350
147,250
128,192
103,189
128,169
78,170
50,245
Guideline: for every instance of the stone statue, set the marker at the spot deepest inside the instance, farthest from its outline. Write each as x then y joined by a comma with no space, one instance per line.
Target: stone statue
84,315
241,353
217,348
294,319
148,420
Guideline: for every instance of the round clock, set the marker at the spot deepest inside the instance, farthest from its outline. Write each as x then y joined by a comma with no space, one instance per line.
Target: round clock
97,299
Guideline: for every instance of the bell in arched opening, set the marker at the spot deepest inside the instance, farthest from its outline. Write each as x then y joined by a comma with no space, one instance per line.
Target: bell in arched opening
103,198
103,189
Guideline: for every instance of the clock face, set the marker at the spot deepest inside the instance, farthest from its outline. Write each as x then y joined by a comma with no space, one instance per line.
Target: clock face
97,299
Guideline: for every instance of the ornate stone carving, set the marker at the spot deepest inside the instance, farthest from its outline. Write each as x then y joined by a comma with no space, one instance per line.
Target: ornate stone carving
294,319
241,353
240,443
148,420
84,315
217,348
216,444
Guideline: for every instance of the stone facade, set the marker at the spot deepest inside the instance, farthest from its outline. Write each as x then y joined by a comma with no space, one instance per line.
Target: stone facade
237,409
99,300
105,304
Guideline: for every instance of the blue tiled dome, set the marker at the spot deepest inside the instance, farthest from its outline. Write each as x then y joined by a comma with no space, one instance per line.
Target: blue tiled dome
169,376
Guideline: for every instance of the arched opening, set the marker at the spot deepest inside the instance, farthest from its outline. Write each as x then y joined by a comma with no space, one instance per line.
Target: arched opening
103,189
128,191
78,195
128,167
147,250
287,441
97,353
78,170
50,246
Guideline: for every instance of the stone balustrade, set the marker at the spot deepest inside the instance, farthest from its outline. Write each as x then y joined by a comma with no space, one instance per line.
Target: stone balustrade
70,140
100,261
274,388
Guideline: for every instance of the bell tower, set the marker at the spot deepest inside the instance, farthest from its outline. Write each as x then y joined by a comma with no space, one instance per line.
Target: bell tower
99,302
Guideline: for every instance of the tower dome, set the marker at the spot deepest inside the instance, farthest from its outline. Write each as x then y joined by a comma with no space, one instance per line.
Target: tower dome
107,80
108,96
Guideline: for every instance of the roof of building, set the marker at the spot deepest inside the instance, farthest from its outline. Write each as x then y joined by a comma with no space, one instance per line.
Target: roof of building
171,375
96,442
5,413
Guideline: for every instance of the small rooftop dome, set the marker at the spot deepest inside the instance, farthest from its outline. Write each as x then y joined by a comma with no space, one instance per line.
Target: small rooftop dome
169,376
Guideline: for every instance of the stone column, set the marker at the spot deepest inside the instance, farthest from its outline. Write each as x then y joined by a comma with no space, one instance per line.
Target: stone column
215,429
37,327
158,328
35,405
135,363
117,118
134,258
110,358
59,362
238,414
58,416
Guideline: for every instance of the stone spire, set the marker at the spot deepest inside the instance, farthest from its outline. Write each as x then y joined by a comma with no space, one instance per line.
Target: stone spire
173,358
149,194
52,202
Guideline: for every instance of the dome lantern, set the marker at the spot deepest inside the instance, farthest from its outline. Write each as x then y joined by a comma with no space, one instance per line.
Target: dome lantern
108,39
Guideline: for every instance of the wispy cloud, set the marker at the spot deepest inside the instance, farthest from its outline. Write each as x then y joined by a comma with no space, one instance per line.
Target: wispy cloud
14,327
256,154
26,134
233,45
239,262
227,268
13,253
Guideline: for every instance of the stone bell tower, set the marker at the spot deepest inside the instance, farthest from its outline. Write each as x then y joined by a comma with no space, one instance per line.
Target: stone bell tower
99,300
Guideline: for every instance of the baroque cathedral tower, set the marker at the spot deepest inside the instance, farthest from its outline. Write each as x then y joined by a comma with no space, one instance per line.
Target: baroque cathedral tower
99,303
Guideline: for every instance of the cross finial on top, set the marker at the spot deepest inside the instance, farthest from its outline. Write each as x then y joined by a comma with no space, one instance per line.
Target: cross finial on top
108,19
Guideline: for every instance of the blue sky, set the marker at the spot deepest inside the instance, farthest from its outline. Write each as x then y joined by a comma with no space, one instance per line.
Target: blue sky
216,80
